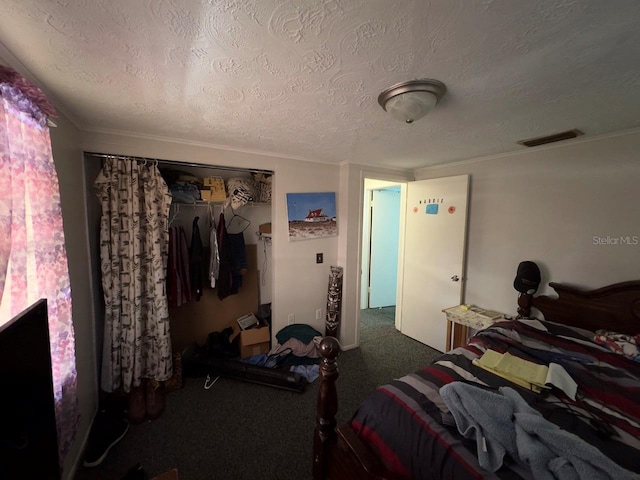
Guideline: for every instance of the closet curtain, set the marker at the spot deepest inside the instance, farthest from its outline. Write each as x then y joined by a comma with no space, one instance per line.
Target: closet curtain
33,258
134,246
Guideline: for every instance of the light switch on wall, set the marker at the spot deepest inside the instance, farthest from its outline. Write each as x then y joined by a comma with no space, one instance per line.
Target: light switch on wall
319,258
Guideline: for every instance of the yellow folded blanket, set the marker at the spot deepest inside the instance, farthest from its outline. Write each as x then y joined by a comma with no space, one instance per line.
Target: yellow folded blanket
521,372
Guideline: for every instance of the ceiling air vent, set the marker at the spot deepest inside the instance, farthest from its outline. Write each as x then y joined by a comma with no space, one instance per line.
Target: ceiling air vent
556,137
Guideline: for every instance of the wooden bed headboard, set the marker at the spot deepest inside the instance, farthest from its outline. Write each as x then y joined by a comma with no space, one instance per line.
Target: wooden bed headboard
615,307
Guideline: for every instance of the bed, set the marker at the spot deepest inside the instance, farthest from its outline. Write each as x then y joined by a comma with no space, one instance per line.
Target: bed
402,430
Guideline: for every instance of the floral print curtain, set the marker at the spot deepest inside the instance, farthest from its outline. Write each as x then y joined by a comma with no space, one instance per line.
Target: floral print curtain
33,259
134,246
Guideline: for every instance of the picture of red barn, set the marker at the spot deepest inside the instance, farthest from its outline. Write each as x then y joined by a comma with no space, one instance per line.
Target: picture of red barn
312,215
317,216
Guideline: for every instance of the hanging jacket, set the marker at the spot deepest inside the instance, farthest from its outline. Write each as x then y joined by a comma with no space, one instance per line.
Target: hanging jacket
237,253
178,276
196,260
214,260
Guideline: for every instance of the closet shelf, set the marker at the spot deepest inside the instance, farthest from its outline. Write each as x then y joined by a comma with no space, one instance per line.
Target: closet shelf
204,203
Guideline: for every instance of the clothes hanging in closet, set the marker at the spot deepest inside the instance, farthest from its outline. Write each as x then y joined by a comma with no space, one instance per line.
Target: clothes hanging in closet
178,281
233,260
214,258
238,257
224,276
196,259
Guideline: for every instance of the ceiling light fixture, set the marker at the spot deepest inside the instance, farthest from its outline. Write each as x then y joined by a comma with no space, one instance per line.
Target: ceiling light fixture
412,100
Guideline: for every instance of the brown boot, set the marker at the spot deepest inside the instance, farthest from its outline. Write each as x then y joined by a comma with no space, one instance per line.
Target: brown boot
175,382
154,399
137,408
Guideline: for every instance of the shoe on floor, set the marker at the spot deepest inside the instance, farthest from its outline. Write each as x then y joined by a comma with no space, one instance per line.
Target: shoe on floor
154,397
107,430
137,408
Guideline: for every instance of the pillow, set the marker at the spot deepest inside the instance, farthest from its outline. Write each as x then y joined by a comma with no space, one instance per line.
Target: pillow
620,343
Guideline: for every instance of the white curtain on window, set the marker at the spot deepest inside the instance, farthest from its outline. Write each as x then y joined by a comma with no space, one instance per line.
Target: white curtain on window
33,259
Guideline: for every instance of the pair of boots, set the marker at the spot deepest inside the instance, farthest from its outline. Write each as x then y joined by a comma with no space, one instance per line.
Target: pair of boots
146,402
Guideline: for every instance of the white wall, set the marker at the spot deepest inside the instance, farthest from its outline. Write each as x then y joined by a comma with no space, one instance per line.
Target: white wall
546,204
299,284
67,155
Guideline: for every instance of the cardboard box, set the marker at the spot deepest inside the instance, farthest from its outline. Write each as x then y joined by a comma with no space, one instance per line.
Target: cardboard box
209,181
217,191
205,195
264,228
254,342
247,321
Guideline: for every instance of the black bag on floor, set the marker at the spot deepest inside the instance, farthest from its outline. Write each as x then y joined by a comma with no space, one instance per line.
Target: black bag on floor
219,345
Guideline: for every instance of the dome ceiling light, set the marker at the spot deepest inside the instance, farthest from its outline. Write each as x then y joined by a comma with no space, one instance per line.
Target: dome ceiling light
412,100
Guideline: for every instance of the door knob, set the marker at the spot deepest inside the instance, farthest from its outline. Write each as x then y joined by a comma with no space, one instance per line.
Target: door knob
455,278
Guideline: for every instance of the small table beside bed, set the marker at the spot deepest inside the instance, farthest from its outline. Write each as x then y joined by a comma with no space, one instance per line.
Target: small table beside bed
411,427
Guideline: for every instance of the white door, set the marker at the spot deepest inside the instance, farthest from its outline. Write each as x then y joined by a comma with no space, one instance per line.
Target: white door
383,263
433,263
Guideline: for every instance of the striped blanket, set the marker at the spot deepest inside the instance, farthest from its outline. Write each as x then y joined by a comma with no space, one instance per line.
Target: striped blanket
408,424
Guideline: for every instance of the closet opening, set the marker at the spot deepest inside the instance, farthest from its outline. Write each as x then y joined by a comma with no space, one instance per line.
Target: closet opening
195,189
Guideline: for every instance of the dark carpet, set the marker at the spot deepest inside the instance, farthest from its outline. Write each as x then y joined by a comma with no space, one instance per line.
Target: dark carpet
238,430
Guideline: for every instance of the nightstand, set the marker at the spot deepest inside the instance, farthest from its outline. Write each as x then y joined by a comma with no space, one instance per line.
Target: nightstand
464,316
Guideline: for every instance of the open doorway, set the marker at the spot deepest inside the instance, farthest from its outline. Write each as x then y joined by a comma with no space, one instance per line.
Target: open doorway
431,256
381,231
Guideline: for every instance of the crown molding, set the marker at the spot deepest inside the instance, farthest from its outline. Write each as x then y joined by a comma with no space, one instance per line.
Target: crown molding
378,168
527,150
197,143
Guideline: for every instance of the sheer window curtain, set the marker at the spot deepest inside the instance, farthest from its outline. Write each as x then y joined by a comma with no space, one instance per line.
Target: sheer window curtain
33,259
134,247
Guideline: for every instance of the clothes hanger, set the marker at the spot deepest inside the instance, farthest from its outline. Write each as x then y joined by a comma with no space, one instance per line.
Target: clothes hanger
175,213
241,218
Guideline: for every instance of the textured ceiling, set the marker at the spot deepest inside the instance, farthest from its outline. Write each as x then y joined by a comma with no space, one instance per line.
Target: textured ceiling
300,78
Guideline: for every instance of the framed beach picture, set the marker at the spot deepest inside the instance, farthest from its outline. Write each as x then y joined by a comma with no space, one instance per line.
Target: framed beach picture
312,215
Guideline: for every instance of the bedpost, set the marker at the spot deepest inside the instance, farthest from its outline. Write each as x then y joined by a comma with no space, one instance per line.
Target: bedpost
327,406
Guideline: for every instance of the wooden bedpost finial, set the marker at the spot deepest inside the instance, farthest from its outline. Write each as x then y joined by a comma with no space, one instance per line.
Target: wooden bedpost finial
330,348
327,406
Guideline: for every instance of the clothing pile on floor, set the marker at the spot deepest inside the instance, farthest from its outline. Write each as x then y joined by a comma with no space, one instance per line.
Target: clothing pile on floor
297,351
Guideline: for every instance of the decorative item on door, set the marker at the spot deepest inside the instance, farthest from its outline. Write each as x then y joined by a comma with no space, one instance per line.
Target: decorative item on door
334,302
